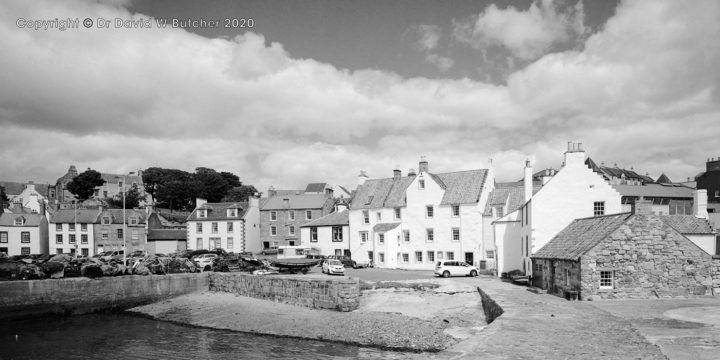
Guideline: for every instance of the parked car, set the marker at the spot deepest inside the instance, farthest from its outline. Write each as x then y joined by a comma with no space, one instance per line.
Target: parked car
204,261
333,266
345,260
269,252
137,253
455,268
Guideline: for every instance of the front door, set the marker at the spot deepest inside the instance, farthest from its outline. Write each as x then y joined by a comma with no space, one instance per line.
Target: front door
551,278
469,258
346,252
266,244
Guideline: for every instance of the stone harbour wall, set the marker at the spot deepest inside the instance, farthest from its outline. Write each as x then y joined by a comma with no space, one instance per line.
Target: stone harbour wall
316,293
74,296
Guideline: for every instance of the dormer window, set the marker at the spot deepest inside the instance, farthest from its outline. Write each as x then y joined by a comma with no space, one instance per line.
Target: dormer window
106,220
369,200
202,213
133,221
19,221
232,212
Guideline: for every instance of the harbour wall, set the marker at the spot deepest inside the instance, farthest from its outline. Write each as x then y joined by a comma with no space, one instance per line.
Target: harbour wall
74,296
316,293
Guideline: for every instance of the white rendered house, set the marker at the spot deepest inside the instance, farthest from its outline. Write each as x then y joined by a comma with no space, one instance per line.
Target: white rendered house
228,225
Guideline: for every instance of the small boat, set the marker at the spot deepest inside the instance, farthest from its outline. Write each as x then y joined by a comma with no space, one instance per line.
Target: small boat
295,264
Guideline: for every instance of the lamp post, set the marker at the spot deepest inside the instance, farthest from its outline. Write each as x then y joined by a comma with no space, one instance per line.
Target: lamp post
122,189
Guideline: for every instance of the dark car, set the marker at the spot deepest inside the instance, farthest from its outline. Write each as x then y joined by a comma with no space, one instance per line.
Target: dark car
346,260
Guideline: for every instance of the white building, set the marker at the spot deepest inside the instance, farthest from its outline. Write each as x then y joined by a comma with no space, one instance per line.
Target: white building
412,221
73,231
30,198
229,225
328,235
23,234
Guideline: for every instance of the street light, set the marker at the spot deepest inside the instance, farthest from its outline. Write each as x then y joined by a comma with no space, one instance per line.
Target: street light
124,222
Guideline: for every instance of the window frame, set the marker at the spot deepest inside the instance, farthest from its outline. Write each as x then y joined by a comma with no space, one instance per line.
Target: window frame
4,237
25,237
604,279
230,227
406,235
455,231
421,184
58,227
429,211
366,217
291,215
214,227
455,210
83,238
429,235
198,228
363,236
397,213
291,230
273,215
313,234
273,230
598,208
58,238
308,215
337,234
418,256
431,256
381,238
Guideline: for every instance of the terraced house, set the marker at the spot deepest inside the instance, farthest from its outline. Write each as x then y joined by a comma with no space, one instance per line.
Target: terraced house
73,231
111,235
233,226
23,234
412,221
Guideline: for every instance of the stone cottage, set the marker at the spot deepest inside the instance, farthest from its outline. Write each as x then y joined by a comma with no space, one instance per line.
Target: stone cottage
624,256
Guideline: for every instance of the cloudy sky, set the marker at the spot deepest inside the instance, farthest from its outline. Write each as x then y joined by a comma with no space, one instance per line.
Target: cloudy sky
318,90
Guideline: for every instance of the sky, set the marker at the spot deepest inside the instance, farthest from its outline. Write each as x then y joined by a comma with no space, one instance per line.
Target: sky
315,91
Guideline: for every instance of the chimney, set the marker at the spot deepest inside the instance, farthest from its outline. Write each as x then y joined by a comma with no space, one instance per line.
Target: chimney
700,200
411,172
200,202
528,181
254,200
271,191
397,174
643,207
340,207
362,177
423,166
574,155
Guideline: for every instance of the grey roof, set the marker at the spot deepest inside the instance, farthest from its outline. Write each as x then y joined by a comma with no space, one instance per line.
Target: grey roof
580,236
607,172
383,227
116,215
511,193
336,218
663,179
655,190
116,178
315,188
461,187
688,224
303,201
68,216
218,211
8,219
15,188
166,234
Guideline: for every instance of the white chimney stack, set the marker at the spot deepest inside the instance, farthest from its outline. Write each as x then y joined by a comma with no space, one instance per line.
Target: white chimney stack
362,177
528,181
200,202
700,204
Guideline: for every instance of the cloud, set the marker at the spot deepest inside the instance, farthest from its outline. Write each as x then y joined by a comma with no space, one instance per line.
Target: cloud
429,37
643,91
527,34
443,63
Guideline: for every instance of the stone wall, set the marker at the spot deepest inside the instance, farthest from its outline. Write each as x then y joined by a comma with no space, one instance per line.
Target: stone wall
73,296
557,276
317,293
716,275
648,259
491,308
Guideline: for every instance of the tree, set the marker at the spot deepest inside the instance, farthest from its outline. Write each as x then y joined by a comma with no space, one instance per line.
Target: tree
232,179
240,193
4,200
132,199
83,186
213,185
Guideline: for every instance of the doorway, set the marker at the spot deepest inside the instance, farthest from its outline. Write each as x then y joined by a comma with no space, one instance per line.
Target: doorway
469,258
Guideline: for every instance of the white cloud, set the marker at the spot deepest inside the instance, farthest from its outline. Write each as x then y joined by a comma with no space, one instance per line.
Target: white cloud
443,63
527,34
429,36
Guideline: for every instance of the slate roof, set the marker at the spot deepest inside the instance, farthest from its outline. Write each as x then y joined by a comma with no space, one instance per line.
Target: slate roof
166,234
688,224
655,190
608,172
511,193
303,201
315,188
15,188
461,187
663,179
8,219
383,227
580,236
68,216
117,215
332,219
218,211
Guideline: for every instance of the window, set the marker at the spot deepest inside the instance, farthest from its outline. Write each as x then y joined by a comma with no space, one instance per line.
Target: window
456,210
25,237
421,184
418,256
58,227
567,277
405,258
717,193
71,227
378,215
230,227
273,215
431,256
363,236
19,221
214,228
450,255
291,230
83,227
83,239
85,252
273,230
133,221
104,193
105,235
4,250
120,233
120,184
499,211
429,211
366,217
429,235
397,213
313,234
406,235
439,255
381,257
338,252
202,213
291,215
606,279
337,234
381,238
215,243
3,237
232,212
25,251
106,220
199,243
308,214
58,251
455,234
230,243
599,208
72,239
198,228
369,200
58,239
490,254
134,234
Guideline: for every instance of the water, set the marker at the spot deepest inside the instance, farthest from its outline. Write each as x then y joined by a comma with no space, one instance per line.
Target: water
123,336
